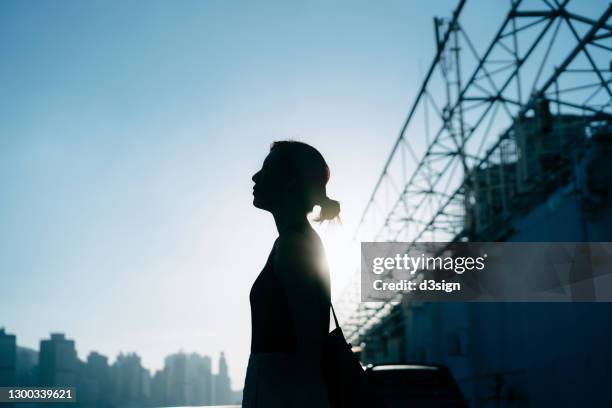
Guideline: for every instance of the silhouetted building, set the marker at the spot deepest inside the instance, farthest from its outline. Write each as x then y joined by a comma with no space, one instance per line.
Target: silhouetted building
175,367
158,389
8,358
236,398
199,380
57,361
130,381
145,383
95,382
187,380
27,360
223,391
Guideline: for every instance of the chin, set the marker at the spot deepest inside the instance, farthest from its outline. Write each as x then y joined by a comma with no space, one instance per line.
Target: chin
257,203
262,205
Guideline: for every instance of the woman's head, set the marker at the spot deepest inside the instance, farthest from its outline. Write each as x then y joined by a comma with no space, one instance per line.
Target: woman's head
294,176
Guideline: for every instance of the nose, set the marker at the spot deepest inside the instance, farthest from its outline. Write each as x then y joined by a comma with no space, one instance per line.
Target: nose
254,178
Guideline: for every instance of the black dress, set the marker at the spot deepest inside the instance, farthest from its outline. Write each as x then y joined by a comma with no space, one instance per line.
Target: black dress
271,329
274,376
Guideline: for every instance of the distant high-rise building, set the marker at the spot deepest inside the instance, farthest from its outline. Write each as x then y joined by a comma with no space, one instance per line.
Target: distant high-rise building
129,380
95,382
175,366
199,380
145,384
188,380
27,360
57,361
158,389
236,397
8,358
223,391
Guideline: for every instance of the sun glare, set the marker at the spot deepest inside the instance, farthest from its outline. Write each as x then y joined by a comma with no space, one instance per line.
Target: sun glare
343,253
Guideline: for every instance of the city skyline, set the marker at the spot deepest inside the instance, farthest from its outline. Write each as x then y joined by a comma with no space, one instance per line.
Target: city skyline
122,352
187,378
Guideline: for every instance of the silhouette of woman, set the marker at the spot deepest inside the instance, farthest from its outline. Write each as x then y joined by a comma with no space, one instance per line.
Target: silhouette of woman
290,298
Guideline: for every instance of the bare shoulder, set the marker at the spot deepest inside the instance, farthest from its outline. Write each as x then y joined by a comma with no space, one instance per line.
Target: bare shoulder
299,250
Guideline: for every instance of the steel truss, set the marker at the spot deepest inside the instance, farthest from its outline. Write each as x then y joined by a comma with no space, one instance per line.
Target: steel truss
464,139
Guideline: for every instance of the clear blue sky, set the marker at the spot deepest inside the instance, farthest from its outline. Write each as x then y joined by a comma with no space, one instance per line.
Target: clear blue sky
129,132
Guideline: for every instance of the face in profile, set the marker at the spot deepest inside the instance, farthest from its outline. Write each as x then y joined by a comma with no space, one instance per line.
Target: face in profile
271,183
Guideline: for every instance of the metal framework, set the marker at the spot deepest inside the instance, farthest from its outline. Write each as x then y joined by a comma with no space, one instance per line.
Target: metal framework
461,168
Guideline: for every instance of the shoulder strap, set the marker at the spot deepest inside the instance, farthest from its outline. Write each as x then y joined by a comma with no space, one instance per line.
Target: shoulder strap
335,318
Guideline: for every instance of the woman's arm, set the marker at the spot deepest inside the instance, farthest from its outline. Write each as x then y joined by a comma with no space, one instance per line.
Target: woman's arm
301,267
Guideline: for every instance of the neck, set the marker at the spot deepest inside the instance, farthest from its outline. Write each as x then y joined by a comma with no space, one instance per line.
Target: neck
286,219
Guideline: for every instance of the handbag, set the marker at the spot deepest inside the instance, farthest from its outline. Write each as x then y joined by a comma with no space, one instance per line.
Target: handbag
346,381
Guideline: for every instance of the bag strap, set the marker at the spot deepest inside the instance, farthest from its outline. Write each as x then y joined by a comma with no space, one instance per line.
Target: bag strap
335,318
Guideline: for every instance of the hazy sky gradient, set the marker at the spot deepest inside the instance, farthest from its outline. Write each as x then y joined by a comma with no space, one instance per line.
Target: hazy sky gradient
129,132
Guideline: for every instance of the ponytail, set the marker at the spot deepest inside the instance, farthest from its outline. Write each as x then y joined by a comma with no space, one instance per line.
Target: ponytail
330,209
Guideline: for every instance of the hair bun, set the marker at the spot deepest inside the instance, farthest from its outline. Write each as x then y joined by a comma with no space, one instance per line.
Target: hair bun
330,209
